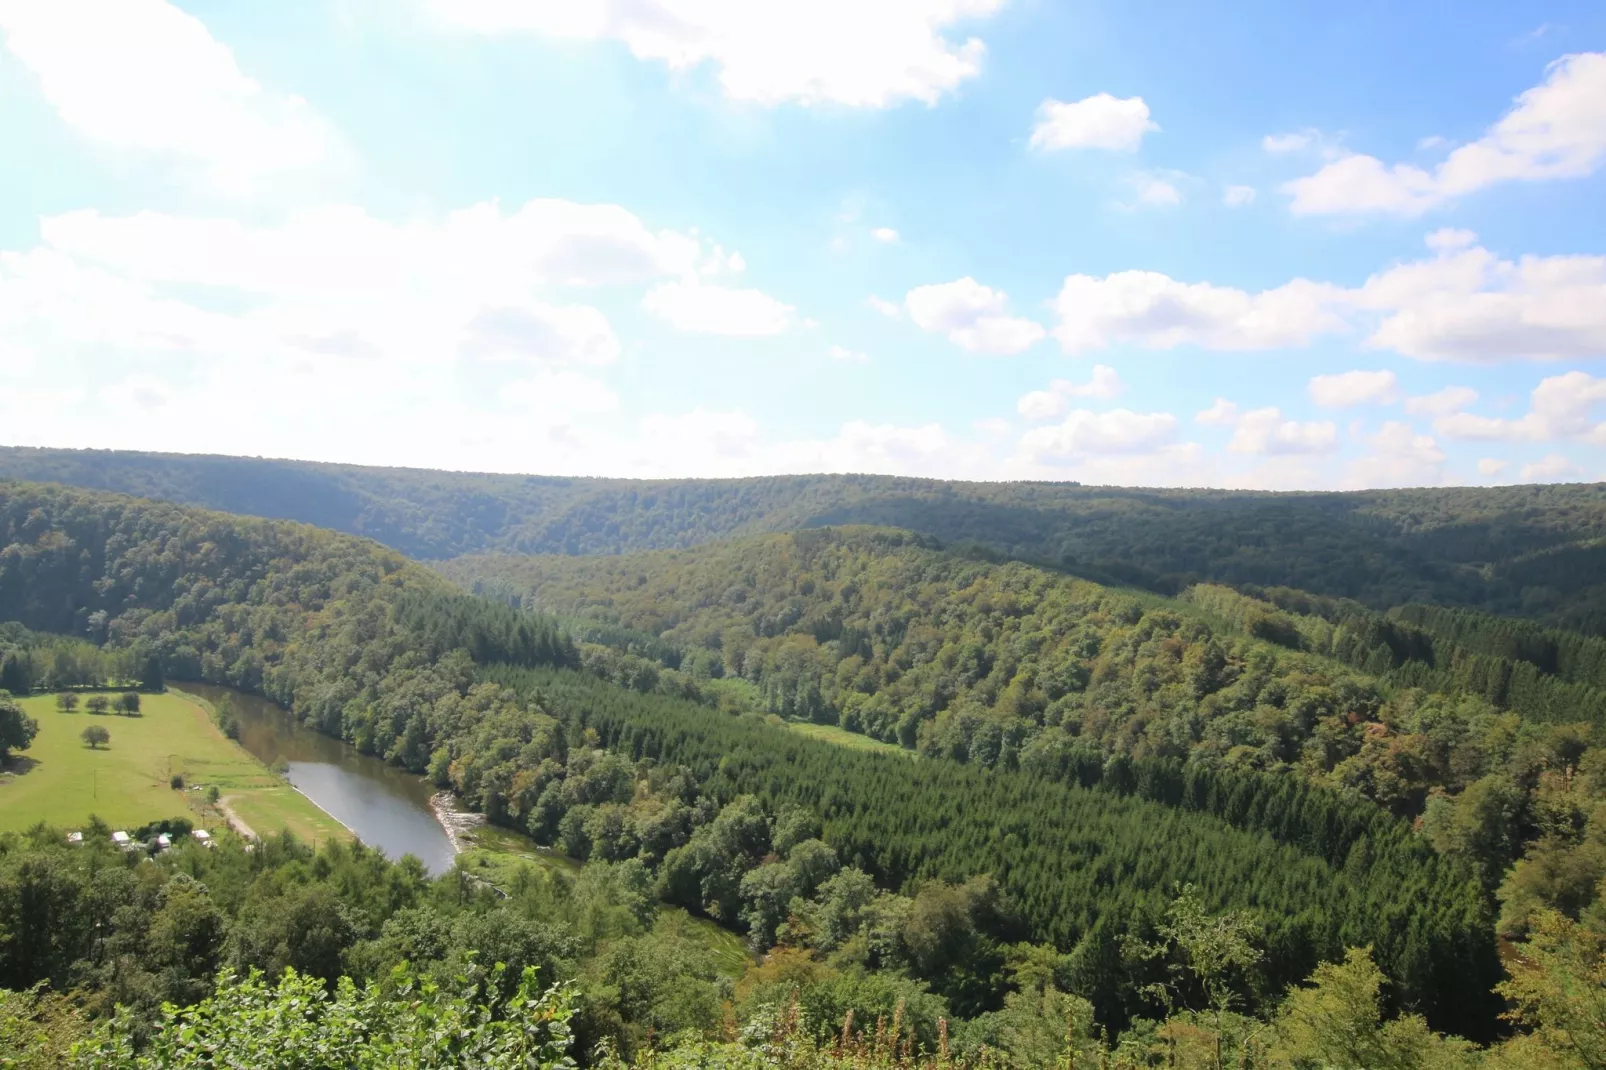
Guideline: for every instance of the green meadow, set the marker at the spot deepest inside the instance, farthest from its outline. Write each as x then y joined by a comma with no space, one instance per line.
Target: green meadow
62,781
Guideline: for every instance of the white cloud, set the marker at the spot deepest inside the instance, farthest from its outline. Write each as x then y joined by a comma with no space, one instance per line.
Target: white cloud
1401,457
1464,303
474,305
1055,401
1097,122
972,316
1354,388
704,308
1158,312
1467,304
1555,130
885,235
143,77
1265,431
1490,466
1155,190
1441,402
815,52
1083,433
1448,239
1238,196
1222,413
1281,144
1561,407
560,391
1553,468
344,250
992,426
849,356
890,309
543,334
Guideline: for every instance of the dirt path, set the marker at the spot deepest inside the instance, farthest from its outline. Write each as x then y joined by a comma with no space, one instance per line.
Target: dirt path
234,819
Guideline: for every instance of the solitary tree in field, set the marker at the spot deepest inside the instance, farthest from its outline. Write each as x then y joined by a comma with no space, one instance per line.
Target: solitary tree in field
96,736
128,702
66,702
17,729
98,704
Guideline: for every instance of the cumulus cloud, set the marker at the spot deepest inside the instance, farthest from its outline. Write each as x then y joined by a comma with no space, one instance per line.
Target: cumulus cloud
1265,431
1055,401
890,309
1462,303
1083,433
1281,144
1222,413
972,316
344,250
1155,189
541,333
142,77
1441,402
1348,389
1557,129
337,280
1400,457
815,52
885,235
1238,196
1553,468
704,308
1491,466
1097,122
1468,304
1158,312
1561,407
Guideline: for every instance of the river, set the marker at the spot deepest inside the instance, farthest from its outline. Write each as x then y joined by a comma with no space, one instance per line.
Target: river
386,807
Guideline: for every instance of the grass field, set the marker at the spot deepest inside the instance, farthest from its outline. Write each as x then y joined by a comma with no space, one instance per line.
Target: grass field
62,781
831,733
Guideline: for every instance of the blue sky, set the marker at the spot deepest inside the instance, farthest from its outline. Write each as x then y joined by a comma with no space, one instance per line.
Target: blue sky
1251,245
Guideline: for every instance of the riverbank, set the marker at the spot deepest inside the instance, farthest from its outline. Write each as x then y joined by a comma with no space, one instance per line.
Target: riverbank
460,825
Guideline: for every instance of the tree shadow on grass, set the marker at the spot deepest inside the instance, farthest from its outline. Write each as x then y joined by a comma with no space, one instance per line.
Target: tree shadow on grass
18,765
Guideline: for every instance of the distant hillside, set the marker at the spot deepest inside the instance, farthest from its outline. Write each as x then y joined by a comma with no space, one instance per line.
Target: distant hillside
1535,551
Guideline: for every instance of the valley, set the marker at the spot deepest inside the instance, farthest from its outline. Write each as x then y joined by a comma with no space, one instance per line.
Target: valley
846,768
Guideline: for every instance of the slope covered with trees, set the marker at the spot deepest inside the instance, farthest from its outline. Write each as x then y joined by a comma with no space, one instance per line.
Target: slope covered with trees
1530,551
362,644
1133,813
1008,666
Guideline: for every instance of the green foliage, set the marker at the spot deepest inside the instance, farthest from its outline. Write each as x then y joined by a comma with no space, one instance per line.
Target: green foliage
95,736
1079,860
17,729
38,1029
32,661
404,1021
1558,988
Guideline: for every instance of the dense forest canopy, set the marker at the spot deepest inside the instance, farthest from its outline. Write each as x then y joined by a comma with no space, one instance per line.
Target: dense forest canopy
1115,790
1533,551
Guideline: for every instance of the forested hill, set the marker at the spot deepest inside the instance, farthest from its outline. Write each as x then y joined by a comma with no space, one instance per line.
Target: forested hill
1533,551
1471,727
485,700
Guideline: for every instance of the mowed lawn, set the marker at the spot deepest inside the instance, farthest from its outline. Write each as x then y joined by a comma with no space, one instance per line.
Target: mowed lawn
61,781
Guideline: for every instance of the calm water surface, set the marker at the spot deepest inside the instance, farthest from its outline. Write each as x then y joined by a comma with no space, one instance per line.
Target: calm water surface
386,807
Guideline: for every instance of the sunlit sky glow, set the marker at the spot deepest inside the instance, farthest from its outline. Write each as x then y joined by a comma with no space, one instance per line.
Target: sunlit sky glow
1163,243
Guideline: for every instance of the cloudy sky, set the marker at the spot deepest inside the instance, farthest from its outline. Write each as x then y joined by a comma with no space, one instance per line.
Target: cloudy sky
1158,242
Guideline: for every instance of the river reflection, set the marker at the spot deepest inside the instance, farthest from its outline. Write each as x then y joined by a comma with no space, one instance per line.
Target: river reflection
386,807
